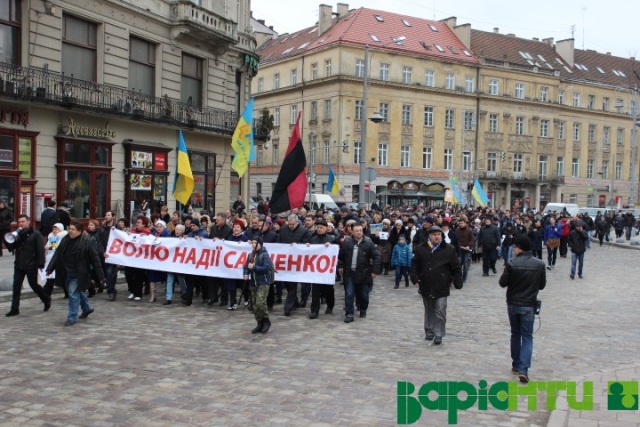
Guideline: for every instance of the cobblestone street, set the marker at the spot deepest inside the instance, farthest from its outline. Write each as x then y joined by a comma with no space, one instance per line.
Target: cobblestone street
144,364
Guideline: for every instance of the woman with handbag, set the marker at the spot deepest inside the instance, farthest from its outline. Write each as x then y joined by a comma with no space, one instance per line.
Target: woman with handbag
552,235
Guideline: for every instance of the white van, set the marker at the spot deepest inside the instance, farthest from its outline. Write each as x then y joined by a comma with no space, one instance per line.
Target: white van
320,201
572,208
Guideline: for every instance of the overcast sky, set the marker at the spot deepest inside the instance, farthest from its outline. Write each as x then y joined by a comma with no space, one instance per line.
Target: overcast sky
604,26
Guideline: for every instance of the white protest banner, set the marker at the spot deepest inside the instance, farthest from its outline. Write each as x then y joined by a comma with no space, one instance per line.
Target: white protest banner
293,263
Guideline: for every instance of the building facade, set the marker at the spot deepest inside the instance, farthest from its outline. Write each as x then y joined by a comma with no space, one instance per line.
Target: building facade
93,95
535,121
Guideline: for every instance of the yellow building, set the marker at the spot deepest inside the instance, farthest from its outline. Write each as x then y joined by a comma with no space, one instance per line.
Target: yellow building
527,117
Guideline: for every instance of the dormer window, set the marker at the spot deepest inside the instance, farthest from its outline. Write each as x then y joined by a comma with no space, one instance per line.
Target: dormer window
379,18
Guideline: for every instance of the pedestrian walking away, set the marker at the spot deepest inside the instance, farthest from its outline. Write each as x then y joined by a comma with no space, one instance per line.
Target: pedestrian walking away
524,276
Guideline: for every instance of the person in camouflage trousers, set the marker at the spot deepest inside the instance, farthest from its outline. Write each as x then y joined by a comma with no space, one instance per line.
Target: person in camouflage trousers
259,272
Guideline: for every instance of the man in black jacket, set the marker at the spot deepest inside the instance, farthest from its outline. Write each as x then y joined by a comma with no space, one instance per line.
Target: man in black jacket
292,233
359,264
577,242
489,240
219,230
29,252
320,237
47,219
435,266
523,276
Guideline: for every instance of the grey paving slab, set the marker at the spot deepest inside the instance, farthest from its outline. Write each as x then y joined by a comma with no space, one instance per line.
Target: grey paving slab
142,364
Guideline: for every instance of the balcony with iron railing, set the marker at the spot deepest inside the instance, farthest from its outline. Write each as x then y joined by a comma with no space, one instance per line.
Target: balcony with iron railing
521,177
40,86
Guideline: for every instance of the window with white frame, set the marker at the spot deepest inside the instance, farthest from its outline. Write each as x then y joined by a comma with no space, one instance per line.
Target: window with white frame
466,161
327,109
605,168
427,157
429,78
544,93
520,126
590,163
259,156
383,154
314,110
449,116
448,159
406,75
276,116
294,114
605,104
469,84
327,68
325,150
591,133
275,154
313,145
450,81
562,130
576,99
606,135
406,114
359,109
261,84
519,90
493,123
517,162
573,198
620,138
591,103
590,199
560,165
384,111
294,77
494,87
492,162
356,152
314,71
469,120
544,128
405,156
575,167
561,97
360,68
276,81
428,116
543,166
576,131
618,170
384,72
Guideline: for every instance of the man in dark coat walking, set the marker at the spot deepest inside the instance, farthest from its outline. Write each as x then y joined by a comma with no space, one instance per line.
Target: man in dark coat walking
435,266
29,252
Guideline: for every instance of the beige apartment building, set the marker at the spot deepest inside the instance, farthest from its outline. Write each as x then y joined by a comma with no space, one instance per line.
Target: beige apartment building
93,95
535,121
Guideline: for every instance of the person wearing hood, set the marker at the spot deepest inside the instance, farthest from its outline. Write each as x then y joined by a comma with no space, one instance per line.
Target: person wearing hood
401,261
258,272
53,241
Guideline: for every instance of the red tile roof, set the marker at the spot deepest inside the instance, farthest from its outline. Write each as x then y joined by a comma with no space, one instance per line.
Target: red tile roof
393,33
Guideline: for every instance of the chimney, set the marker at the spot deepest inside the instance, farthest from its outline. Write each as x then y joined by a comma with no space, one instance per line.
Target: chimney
343,9
261,21
511,35
324,20
633,58
496,30
548,41
565,50
535,39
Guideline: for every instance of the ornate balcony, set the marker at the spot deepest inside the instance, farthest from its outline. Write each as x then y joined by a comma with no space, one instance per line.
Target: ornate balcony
189,19
521,177
41,86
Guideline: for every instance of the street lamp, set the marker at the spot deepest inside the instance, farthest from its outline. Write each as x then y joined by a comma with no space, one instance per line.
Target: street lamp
375,118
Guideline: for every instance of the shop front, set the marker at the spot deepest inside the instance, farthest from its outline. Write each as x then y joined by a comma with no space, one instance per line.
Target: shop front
146,175
412,193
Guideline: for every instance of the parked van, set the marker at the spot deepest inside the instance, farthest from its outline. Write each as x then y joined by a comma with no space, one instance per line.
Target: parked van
320,201
572,208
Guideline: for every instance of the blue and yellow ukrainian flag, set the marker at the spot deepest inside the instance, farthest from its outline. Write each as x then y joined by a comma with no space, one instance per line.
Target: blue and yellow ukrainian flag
333,185
479,194
183,185
242,141
453,183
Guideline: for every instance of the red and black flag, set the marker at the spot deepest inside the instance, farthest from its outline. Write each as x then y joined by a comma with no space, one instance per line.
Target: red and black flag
291,185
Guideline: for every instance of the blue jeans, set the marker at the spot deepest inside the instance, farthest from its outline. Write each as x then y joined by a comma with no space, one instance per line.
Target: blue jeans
172,278
579,258
507,252
350,290
521,320
111,274
402,271
77,299
587,242
465,260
